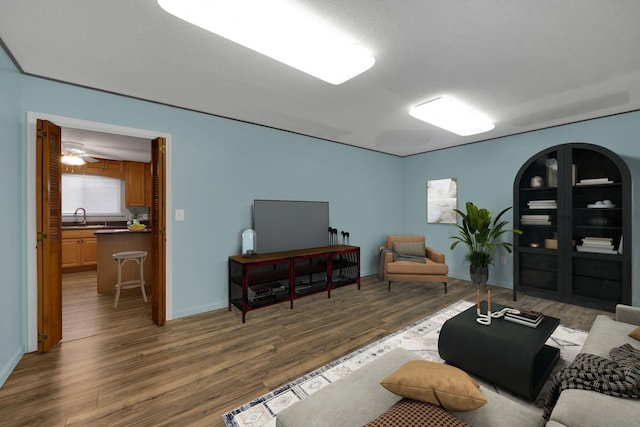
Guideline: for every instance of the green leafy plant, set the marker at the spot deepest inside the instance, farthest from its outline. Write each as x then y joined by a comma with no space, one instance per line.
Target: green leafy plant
134,217
479,234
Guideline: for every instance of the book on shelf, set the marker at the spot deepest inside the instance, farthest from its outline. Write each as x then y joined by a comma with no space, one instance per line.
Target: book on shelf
542,204
603,245
595,181
598,240
606,247
535,219
596,249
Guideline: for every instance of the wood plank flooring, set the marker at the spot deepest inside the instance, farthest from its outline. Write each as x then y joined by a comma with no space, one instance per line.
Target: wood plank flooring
115,368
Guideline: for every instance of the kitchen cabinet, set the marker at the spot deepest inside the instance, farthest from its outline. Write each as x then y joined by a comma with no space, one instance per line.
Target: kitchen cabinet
135,183
105,167
79,249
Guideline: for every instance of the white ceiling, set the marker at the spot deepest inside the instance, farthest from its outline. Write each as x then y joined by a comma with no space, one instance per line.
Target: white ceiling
109,146
526,64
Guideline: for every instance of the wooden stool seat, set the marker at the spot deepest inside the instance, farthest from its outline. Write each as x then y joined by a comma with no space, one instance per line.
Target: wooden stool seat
122,257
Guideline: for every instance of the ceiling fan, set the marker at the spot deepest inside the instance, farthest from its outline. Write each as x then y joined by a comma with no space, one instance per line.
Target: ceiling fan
73,153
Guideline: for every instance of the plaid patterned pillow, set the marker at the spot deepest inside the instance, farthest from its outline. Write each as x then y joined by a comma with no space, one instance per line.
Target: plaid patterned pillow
408,412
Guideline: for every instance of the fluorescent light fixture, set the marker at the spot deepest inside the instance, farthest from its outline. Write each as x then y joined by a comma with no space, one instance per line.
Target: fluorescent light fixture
280,30
449,114
72,160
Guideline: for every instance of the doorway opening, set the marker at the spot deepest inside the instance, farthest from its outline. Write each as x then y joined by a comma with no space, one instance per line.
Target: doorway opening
87,313
32,271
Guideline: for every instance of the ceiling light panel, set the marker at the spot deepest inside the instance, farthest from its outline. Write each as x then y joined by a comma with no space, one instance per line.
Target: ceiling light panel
450,114
280,30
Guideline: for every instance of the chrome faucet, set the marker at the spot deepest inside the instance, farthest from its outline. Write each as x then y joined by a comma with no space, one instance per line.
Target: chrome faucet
84,216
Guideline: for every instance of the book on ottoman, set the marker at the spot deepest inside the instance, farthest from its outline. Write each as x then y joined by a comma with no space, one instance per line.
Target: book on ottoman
527,318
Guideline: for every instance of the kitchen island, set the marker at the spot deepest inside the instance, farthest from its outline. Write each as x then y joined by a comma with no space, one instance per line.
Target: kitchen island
111,241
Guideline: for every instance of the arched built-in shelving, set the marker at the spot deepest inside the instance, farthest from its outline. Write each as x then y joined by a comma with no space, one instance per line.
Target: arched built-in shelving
573,204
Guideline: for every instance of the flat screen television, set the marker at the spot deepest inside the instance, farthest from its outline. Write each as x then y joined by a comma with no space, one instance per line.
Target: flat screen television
287,225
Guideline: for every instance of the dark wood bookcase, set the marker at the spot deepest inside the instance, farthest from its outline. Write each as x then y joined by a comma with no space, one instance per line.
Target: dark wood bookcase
574,247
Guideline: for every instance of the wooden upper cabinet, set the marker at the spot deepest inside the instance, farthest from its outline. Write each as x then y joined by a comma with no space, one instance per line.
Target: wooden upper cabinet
135,183
80,169
105,167
137,177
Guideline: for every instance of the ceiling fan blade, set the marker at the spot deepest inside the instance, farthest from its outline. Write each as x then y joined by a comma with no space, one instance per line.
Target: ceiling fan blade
88,158
73,147
77,149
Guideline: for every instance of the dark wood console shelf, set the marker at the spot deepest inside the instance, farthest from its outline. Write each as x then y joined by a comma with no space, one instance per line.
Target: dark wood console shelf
267,279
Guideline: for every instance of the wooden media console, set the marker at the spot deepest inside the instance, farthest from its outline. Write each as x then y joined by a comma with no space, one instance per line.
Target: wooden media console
271,278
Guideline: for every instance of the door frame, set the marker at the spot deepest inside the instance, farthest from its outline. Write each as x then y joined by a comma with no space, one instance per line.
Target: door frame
32,265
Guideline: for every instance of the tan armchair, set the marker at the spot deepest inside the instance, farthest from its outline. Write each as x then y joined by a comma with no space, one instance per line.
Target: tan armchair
408,252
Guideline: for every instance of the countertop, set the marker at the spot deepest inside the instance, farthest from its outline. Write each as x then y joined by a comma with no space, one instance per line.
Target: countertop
120,230
92,227
102,228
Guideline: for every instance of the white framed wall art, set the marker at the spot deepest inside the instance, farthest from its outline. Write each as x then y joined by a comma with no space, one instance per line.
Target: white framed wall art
442,199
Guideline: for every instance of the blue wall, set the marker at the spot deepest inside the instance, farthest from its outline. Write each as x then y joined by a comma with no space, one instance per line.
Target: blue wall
219,166
13,327
486,172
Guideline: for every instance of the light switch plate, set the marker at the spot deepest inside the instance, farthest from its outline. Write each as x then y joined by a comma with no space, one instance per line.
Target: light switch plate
179,214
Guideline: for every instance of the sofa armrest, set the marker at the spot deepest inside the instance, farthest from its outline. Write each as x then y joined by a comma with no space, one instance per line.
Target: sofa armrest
628,314
435,255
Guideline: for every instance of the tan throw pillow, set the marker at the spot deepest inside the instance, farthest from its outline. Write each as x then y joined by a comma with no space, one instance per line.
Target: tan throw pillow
635,333
410,248
436,383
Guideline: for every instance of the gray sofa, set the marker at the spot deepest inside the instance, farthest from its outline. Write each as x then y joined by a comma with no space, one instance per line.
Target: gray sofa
359,398
585,408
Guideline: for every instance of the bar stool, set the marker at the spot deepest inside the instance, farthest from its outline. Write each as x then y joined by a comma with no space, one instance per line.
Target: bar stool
120,258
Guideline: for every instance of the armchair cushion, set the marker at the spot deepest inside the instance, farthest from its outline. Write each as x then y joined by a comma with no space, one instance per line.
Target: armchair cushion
409,267
392,239
410,248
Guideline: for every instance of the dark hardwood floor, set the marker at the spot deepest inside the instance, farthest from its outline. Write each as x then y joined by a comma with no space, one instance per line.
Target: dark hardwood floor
115,367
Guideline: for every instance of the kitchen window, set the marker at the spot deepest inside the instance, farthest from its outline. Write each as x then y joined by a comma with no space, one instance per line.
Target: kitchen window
98,195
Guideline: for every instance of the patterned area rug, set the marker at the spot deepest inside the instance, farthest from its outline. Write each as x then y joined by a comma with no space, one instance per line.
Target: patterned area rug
420,338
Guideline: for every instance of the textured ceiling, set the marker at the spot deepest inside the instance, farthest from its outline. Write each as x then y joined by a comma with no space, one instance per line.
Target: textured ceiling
526,64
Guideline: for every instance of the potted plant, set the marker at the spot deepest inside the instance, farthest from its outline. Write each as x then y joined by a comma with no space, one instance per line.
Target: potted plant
479,234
